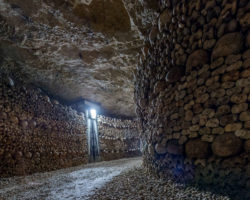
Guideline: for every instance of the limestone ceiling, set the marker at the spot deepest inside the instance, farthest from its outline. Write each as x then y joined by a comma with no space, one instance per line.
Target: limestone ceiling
75,48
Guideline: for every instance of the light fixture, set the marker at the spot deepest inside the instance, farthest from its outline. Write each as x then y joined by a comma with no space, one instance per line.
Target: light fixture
93,113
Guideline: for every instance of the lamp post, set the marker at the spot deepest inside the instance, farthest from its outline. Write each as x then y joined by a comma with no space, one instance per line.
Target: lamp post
93,139
91,112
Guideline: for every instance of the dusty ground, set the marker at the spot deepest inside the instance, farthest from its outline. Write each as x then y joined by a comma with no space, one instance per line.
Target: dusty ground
137,184
72,183
123,179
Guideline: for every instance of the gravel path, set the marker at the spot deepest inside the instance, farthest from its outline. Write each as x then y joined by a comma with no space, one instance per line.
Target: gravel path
123,179
72,183
137,184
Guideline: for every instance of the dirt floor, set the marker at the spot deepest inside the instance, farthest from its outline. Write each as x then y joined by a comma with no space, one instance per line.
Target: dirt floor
72,183
123,179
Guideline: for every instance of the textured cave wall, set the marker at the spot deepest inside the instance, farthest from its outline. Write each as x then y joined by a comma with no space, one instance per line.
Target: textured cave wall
118,138
37,133
73,49
77,49
193,90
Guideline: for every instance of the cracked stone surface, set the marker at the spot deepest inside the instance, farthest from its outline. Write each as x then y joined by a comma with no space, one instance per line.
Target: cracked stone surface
75,49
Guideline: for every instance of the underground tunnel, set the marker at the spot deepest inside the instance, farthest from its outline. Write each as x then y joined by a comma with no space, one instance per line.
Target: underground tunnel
123,99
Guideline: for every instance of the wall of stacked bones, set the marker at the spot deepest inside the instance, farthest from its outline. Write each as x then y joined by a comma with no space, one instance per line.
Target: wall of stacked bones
193,94
118,138
39,134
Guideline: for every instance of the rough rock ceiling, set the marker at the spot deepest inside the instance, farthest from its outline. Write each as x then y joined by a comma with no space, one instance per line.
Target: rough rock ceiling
76,48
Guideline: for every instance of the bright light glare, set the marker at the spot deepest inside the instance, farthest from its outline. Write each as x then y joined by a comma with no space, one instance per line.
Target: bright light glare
93,113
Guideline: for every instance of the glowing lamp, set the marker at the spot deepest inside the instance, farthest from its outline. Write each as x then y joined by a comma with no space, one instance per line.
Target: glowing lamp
93,113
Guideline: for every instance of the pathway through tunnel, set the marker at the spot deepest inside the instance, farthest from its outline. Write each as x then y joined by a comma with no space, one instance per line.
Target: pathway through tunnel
70,183
123,179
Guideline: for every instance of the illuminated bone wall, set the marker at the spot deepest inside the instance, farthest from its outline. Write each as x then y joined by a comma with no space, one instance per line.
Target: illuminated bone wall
118,138
37,133
193,94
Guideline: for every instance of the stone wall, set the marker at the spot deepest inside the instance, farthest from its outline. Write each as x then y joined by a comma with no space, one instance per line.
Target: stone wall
37,133
193,91
118,138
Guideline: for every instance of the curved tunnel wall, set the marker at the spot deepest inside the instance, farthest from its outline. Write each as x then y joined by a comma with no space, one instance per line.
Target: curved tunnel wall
118,138
37,133
193,91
